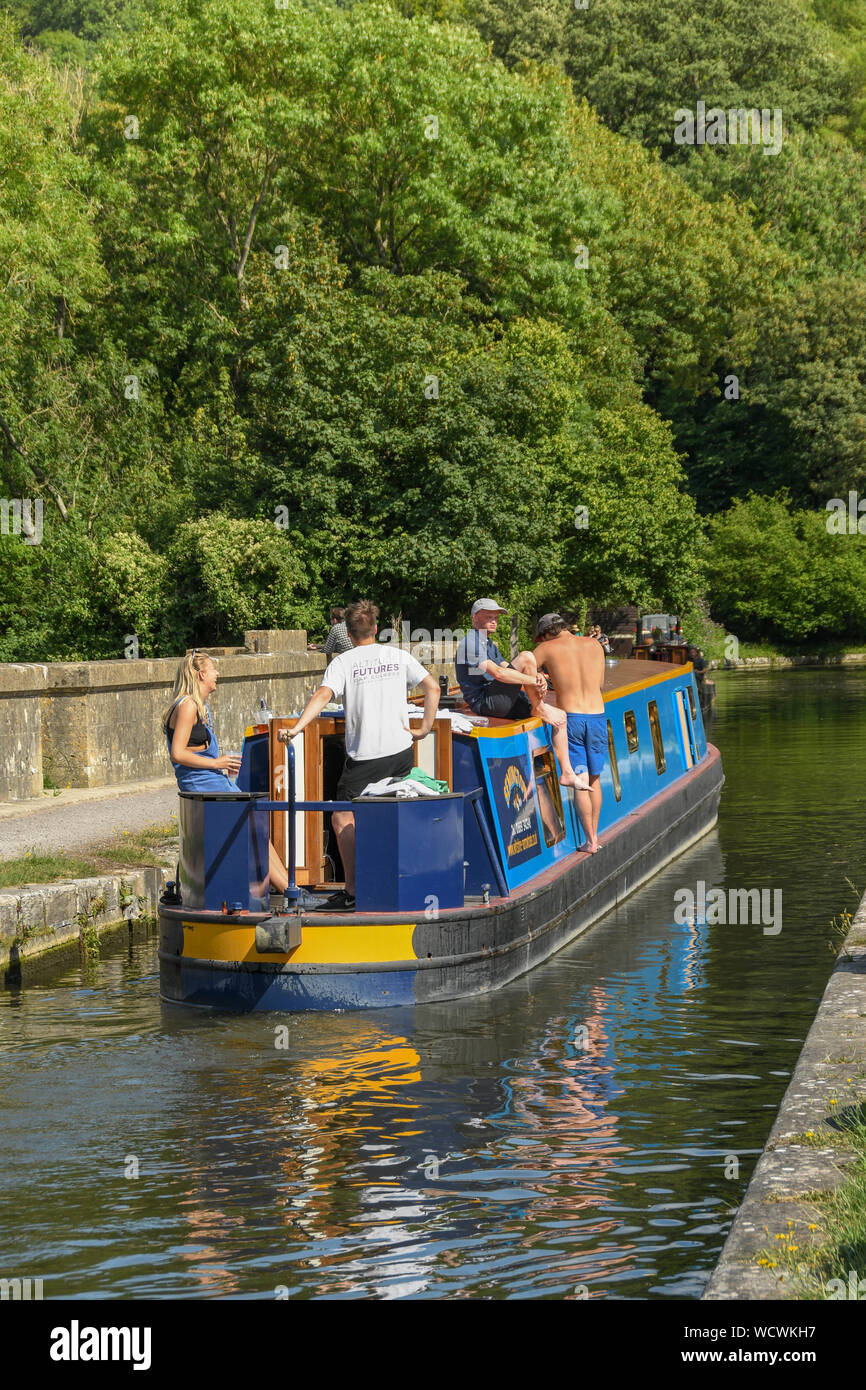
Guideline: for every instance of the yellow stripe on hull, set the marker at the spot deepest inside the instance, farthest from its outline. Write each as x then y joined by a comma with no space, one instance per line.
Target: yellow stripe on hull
353,944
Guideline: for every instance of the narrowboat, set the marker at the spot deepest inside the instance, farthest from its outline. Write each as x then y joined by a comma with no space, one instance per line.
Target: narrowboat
457,893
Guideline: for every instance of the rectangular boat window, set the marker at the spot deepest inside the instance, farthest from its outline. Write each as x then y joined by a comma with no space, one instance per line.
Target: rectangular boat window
549,796
630,730
692,704
614,768
656,731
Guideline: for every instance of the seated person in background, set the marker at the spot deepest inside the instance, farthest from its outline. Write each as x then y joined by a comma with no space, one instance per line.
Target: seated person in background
372,681
493,687
576,667
338,639
602,638
193,748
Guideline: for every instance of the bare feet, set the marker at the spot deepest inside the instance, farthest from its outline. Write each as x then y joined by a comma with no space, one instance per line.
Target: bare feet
574,779
550,714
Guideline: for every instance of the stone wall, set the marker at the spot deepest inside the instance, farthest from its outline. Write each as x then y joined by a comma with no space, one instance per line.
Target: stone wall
38,919
99,723
20,731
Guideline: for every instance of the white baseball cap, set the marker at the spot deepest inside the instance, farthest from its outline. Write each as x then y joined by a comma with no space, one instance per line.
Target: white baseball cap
487,605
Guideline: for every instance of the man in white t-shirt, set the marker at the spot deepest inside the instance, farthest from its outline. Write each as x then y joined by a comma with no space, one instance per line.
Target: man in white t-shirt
372,681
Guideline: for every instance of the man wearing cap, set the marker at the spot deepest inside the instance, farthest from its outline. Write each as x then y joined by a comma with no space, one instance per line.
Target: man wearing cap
576,667
493,687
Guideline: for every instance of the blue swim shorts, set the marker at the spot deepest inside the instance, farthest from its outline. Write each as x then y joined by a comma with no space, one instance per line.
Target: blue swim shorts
587,742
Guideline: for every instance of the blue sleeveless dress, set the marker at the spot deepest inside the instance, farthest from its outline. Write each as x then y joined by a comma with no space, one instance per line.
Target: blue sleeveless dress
199,779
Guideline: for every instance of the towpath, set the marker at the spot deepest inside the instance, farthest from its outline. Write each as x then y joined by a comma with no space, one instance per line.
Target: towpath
80,817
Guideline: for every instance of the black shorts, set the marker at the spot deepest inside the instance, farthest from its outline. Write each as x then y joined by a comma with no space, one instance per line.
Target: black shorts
358,773
505,703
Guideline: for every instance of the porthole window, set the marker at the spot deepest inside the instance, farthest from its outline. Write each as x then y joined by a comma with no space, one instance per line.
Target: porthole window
630,730
614,769
656,731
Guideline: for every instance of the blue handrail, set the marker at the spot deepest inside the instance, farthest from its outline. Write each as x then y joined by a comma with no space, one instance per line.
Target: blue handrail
282,806
291,893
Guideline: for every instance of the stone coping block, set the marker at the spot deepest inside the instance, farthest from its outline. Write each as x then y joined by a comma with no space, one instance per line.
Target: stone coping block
92,676
39,917
830,1078
275,640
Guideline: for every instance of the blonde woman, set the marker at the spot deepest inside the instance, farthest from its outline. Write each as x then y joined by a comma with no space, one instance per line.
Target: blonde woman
192,744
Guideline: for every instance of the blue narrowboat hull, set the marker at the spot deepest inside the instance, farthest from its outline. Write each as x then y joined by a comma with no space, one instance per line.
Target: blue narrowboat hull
377,960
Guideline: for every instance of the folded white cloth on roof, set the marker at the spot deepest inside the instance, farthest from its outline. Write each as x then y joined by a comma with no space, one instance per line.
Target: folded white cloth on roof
460,723
388,787
403,788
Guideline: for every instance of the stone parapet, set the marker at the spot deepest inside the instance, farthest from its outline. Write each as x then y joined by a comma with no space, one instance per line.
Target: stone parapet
102,720
276,640
99,723
21,691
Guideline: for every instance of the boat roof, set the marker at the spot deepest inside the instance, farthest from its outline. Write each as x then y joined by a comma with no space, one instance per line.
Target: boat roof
624,678
634,675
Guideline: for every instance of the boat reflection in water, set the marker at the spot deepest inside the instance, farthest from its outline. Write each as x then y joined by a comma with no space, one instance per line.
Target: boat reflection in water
379,1165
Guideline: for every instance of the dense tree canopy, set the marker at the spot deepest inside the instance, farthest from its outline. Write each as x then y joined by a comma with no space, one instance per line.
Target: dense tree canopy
308,302
637,61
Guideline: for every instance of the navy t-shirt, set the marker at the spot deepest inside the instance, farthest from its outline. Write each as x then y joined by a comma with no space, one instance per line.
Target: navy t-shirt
476,646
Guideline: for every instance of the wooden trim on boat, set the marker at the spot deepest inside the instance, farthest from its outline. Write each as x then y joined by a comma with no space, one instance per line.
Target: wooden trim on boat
507,729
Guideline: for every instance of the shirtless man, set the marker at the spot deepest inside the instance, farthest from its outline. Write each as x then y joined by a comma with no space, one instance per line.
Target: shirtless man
576,668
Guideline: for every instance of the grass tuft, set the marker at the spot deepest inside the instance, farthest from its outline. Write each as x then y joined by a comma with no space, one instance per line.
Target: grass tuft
831,1246
155,845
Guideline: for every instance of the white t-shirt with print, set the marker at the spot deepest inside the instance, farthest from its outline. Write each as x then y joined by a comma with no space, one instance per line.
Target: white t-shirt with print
372,681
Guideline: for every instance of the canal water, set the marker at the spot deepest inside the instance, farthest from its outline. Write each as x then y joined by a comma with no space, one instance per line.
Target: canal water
586,1132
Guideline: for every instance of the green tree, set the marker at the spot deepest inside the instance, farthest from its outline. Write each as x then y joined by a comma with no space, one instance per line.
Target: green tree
811,198
132,589
227,575
637,62
777,573
309,305
800,420
50,262
688,285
